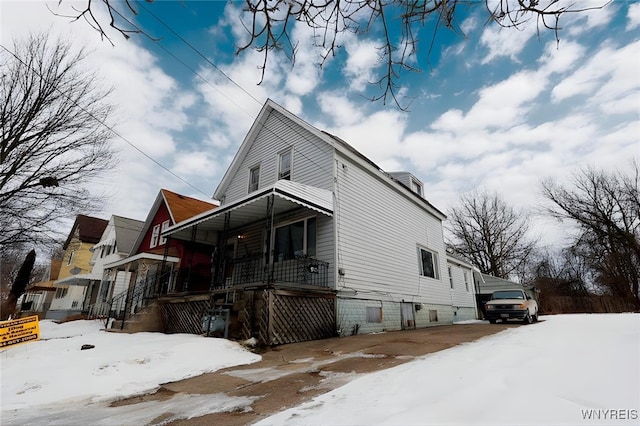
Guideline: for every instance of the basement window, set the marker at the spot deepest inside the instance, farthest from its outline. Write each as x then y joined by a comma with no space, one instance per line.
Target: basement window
374,314
433,315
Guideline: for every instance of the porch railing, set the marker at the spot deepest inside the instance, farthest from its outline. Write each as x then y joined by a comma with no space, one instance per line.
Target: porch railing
302,270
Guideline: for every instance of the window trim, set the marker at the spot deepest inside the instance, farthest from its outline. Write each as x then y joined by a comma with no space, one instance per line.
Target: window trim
155,235
305,235
465,274
434,260
290,172
450,271
416,186
163,227
250,188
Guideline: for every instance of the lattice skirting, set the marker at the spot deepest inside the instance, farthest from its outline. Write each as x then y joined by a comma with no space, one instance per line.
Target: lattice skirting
297,317
184,315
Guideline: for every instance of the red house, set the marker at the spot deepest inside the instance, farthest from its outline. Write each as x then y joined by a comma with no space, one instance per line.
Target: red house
162,266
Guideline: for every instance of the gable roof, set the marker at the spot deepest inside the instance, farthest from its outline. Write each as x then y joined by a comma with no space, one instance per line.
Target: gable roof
127,231
334,141
180,208
89,229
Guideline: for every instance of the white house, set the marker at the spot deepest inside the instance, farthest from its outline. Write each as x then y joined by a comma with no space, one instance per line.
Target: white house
314,239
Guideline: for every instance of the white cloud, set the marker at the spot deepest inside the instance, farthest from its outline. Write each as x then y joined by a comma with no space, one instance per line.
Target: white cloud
561,58
506,42
587,20
633,16
363,58
339,109
610,74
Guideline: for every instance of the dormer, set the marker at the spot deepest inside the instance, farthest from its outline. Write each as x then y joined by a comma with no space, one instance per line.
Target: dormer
410,181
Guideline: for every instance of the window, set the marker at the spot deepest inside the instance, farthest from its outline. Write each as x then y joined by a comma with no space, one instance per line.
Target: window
428,263
165,225
284,167
295,240
450,277
61,292
155,234
433,315
466,280
416,187
254,178
70,257
374,314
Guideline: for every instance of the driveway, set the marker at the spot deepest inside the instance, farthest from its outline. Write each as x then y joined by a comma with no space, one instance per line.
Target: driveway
291,374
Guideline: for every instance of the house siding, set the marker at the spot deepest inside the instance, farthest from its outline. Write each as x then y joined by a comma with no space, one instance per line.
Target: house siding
379,230
311,159
352,315
74,298
460,297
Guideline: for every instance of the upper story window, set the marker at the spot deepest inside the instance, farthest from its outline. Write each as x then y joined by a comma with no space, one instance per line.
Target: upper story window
163,228
450,277
295,240
284,165
428,262
254,178
155,235
70,257
466,280
416,187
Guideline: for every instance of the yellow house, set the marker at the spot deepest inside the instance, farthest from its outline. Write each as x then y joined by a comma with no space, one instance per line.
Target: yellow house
69,298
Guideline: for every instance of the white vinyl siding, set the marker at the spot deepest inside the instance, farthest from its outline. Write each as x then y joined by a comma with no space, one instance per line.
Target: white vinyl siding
378,230
313,158
460,296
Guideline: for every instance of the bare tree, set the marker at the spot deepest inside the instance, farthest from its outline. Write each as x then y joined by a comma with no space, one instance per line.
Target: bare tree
54,139
490,234
606,208
270,24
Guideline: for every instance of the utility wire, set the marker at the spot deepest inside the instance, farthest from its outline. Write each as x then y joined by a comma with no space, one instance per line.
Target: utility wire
196,50
111,129
217,68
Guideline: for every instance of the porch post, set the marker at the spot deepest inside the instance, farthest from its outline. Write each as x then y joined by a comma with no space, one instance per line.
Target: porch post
161,288
270,213
191,249
222,244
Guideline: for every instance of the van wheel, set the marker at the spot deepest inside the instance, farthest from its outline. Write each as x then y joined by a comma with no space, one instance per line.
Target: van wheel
535,317
492,321
527,318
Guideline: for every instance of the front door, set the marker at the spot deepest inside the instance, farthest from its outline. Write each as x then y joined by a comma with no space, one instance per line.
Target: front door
407,316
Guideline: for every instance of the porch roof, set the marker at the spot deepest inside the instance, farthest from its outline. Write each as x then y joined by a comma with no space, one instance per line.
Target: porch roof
287,195
141,256
80,279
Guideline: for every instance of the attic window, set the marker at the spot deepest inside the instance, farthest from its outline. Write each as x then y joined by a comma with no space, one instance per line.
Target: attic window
254,178
155,234
284,166
165,225
416,187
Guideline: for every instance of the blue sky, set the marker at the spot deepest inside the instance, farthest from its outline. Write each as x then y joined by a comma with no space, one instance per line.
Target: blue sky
499,109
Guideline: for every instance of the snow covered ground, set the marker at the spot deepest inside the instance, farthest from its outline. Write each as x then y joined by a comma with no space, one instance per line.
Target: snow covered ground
569,369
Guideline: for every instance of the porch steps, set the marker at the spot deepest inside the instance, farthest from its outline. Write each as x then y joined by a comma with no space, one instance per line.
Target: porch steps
148,319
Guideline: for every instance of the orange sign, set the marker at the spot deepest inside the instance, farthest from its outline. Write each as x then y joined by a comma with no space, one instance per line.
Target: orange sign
19,331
